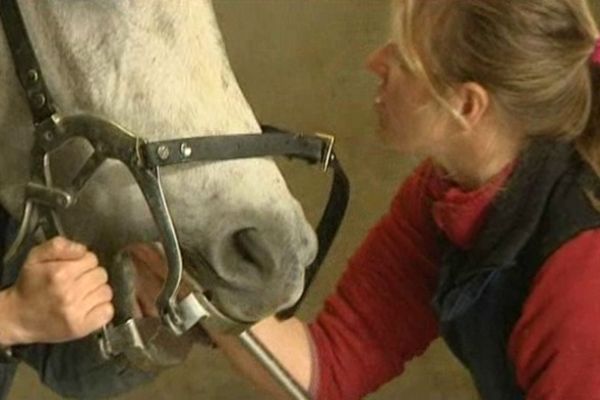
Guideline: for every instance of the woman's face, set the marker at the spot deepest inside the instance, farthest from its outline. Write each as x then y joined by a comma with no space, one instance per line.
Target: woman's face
407,118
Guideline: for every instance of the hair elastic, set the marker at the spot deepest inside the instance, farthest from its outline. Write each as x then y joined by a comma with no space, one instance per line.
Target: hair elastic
596,54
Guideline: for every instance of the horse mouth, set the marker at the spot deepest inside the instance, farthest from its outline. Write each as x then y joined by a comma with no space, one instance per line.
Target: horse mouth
204,280
244,278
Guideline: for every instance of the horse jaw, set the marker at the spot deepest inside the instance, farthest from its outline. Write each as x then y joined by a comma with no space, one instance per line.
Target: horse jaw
159,69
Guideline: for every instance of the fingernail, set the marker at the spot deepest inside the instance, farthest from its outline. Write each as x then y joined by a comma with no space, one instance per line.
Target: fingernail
77,246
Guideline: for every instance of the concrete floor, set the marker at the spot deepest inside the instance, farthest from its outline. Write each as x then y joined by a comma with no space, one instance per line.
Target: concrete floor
300,64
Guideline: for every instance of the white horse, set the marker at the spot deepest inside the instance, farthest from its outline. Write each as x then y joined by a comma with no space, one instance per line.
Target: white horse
159,68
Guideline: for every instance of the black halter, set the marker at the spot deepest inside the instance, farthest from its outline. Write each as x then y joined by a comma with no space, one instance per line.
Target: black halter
144,160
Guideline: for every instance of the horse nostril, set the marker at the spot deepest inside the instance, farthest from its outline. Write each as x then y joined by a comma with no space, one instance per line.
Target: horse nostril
253,249
243,244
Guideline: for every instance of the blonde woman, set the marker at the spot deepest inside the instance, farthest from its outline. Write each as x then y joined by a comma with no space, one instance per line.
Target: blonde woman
494,241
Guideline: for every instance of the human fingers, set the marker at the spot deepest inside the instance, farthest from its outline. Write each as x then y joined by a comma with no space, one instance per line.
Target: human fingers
98,316
100,294
137,309
92,279
147,283
145,306
58,248
88,314
63,273
150,257
152,270
53,281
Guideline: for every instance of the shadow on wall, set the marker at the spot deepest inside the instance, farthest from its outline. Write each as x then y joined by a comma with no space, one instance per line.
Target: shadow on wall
300,64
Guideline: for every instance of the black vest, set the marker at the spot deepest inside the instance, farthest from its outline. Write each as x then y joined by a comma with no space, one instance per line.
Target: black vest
481,292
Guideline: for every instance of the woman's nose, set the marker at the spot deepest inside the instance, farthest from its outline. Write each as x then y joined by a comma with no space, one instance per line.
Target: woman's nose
377,63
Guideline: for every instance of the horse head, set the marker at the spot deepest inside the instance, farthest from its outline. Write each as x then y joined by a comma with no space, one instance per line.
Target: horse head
159,69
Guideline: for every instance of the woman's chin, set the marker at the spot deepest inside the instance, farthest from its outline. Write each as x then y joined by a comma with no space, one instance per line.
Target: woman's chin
398,146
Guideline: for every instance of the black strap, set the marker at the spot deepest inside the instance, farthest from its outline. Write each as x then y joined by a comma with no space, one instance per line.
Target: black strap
26,64
235,146
327,229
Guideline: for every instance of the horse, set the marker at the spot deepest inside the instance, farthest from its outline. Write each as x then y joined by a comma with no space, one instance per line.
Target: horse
159,69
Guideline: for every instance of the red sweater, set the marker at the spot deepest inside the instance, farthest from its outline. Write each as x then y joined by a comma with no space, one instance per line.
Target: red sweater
381,316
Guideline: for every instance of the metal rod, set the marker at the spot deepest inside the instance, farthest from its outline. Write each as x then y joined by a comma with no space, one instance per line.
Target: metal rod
275,369
21,233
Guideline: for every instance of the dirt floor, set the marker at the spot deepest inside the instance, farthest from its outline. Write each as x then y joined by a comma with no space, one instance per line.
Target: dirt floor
300,64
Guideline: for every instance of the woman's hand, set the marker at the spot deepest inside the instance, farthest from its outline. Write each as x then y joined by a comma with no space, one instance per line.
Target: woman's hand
150,275
61,294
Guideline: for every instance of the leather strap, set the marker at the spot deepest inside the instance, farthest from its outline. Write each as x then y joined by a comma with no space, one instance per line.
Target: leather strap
326,230
230,147
26,63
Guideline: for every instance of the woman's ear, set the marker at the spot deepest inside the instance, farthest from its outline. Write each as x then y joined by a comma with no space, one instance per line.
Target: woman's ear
471,102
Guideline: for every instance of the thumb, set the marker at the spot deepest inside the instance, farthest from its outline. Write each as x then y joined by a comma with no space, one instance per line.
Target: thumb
58,248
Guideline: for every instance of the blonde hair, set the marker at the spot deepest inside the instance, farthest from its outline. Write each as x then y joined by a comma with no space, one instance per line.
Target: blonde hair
533,57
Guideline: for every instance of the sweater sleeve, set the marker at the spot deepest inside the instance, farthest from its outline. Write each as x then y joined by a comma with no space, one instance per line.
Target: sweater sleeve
380,316
555,345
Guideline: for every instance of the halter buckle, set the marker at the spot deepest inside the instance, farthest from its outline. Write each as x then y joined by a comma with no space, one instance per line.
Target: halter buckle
328,155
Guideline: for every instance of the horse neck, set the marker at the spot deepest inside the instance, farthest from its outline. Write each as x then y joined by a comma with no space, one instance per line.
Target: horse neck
158,68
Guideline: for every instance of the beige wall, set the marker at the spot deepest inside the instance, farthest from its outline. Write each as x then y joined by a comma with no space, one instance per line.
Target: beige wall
300,64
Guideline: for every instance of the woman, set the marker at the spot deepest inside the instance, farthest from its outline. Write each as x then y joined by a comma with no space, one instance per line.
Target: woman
494,241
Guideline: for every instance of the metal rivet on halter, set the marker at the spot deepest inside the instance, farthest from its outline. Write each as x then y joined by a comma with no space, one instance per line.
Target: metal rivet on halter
32,76
38,100
163,152
63,199
185,150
